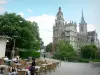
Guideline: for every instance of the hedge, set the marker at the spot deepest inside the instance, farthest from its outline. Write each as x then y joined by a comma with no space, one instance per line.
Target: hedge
29,53
83,60
96,60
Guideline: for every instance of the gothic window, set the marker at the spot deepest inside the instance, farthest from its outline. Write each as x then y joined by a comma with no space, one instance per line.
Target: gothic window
60,16
92,40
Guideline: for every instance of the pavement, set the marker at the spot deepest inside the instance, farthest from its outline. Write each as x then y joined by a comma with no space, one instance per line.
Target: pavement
72,68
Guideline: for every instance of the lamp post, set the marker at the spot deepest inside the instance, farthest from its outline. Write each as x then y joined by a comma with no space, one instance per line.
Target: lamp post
13,51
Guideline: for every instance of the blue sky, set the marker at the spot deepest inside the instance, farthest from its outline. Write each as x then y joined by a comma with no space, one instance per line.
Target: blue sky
43,11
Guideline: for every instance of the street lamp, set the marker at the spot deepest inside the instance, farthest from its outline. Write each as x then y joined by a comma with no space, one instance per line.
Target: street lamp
13,51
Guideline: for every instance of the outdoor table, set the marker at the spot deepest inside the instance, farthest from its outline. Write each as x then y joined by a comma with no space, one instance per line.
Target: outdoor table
5,66
25,70
37,68
29,62
44,64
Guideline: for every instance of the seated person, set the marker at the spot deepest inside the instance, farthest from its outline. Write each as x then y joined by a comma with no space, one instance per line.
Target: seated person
33,62
27,66
32,69
16,61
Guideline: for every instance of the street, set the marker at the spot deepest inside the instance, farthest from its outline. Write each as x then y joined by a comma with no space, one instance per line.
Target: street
71,68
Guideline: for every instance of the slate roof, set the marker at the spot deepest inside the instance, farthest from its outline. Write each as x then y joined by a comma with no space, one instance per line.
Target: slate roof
91,33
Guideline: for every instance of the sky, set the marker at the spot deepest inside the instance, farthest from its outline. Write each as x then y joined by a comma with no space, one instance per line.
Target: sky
44,12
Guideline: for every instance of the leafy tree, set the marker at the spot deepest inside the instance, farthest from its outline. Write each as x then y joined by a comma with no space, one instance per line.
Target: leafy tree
49,47
64,49
89,51
27,32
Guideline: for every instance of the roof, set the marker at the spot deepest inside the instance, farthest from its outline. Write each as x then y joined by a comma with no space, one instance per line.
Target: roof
59,11
91,33
6,37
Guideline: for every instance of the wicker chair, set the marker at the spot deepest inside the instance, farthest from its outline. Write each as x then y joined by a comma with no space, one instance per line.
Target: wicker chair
22,73
53,66
2,62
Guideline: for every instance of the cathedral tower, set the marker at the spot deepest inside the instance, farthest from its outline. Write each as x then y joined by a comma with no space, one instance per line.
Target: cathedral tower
58,27
83,25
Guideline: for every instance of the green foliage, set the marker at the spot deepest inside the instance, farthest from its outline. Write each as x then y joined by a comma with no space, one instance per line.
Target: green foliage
29,53
83,60
27,32
49,47
64,49
96,60
89,51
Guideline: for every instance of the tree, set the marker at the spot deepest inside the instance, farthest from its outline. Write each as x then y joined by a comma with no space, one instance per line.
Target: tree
64,49
27,32
49,47
89,51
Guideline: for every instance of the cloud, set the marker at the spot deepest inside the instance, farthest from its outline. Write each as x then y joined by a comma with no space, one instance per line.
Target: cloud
45,23
21,14
3,2
91,27
2,10
29,10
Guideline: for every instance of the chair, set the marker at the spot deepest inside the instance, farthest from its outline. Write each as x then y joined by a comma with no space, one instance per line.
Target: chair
23,62
42,69
48,67
53,66
2,62
22,73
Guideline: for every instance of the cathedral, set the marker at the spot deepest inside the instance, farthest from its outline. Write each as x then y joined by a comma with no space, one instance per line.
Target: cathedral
68,32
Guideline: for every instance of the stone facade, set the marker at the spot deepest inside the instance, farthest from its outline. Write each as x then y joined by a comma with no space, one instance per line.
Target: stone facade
68,32
71,34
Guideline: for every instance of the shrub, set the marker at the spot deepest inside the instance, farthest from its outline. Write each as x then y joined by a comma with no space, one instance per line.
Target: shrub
96,60
83,60
29,53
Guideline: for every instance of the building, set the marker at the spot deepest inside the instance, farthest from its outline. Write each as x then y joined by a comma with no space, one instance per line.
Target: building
71,33
68,32
3,42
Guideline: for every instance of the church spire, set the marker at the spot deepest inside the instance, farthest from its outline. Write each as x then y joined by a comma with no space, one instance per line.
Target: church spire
82,18
59,9
83,25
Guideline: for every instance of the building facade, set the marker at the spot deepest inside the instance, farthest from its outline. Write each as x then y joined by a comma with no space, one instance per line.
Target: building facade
71,33
68,32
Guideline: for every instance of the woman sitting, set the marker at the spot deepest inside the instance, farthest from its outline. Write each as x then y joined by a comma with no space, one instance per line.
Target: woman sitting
16,61
32,68
27,66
